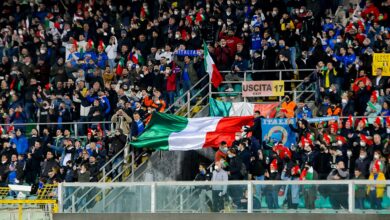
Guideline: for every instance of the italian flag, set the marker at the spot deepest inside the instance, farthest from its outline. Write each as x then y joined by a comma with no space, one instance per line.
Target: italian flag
119,68
211,68
136,58
176,133
221,108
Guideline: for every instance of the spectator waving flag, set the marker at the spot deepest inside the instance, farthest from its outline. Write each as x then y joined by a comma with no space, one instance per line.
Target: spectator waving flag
171,132
211,68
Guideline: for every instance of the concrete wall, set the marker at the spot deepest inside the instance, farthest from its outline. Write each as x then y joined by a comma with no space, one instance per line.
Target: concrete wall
259,216
175,165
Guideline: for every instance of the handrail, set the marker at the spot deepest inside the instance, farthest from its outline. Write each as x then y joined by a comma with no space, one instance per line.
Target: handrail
230,182
116,155
184,95
267,71
56,123
101,179
153,186
115,178
126,179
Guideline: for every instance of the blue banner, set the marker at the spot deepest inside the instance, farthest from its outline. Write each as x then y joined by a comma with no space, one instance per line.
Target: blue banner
321,119
277,129
190,53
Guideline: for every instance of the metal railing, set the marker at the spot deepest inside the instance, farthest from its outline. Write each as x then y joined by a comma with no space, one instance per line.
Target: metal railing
184,101
160,192
75,125
105,174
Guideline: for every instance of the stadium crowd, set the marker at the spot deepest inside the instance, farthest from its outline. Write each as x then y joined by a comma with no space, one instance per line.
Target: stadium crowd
96,61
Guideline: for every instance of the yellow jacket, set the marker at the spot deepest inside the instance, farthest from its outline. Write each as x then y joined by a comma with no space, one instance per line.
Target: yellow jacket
380,188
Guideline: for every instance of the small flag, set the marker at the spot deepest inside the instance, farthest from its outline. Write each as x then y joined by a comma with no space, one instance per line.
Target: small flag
102,45
211,68
119,67
90,44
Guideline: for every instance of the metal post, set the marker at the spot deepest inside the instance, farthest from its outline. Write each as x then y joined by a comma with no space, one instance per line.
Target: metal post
295,95
76,131
104,174
60,198
20,211
250,197
132,164
280,78
181,203
104,199
153,198
351,197
73,204
210,89
188,103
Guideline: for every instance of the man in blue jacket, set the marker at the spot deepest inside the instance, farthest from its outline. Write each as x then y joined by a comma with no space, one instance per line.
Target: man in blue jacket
20,142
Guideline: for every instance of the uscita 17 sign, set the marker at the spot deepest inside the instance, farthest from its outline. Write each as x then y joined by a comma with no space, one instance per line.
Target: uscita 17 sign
262,88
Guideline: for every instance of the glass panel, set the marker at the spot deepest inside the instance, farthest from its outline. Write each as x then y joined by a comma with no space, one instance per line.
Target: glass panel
372,198
300,198
107,199
201,199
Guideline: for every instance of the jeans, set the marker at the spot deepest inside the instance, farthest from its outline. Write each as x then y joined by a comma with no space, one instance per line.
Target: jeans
271,197
218,201
187,86
359,203
259,187
82,128
118,169
293,57
376,203
29,109
171,97
111,63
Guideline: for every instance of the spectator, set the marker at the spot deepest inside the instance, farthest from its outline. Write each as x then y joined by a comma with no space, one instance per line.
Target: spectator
256,132
360,192
338,194
271,192
376,192
20,142
48,165
122,121
219,191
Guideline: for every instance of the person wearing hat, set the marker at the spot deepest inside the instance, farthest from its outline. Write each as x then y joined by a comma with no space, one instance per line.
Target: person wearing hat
111,50
376,192
292,191
373,108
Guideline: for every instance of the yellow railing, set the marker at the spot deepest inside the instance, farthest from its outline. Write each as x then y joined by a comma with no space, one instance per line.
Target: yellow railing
46,199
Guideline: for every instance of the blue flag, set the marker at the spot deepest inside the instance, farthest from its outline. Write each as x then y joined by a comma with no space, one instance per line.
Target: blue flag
277,129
